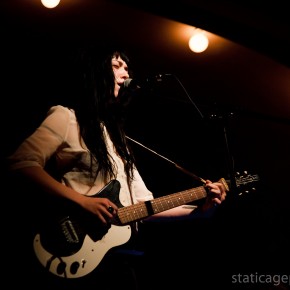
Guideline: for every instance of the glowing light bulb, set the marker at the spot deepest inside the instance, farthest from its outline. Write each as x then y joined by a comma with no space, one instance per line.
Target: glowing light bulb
50,3
198,42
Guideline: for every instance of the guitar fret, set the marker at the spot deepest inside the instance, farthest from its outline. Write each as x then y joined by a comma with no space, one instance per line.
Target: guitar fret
139,211
177,199
132,212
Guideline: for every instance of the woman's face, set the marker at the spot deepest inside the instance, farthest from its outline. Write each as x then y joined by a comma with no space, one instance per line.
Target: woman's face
120,70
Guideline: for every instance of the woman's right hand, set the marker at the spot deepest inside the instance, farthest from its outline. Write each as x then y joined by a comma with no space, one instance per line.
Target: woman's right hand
103,208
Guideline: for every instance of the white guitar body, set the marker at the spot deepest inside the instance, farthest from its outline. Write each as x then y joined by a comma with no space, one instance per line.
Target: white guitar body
87,258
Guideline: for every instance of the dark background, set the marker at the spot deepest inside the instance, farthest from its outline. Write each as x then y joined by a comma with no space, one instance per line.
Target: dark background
224,111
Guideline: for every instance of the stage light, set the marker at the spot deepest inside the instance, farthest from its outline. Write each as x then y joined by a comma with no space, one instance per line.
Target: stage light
50,3
198,41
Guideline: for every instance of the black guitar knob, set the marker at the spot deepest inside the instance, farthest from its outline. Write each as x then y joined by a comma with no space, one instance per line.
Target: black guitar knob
74,267
61,268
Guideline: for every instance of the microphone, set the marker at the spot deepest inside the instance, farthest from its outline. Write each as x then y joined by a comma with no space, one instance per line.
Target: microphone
134,85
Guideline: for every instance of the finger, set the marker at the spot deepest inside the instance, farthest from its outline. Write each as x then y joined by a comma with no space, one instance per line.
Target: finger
111,210
111,207
216,201
223,197
102,219
216,191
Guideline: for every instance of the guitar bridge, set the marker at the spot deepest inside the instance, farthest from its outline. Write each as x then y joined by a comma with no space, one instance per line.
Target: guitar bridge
69,231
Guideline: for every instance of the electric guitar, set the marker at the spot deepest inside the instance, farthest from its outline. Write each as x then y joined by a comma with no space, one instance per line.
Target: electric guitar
72,245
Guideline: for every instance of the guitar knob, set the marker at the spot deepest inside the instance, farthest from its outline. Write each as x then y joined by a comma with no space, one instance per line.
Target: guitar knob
74,267
61,268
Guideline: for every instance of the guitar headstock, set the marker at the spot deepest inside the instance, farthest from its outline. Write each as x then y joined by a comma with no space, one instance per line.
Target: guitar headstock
246,182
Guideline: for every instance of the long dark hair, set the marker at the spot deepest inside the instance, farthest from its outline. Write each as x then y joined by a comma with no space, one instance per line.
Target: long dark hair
98,107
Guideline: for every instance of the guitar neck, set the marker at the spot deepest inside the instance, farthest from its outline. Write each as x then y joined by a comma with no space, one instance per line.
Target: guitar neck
142,210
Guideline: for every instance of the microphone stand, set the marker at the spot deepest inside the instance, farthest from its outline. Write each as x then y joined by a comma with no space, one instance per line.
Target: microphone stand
221,117
190,99
229,157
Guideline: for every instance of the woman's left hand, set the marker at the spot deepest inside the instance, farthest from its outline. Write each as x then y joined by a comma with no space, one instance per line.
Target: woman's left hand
216,194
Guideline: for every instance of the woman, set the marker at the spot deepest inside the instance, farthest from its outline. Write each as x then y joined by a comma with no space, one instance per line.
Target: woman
78,151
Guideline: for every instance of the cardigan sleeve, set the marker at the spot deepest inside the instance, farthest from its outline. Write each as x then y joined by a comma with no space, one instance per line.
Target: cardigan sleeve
36,149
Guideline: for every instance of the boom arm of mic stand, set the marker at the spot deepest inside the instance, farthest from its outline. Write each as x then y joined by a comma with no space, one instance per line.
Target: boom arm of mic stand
188,96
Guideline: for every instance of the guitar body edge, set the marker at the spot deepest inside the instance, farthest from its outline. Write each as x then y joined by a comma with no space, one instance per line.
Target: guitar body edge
87,258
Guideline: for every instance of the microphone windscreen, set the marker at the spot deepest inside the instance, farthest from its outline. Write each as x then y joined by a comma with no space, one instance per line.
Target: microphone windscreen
127,82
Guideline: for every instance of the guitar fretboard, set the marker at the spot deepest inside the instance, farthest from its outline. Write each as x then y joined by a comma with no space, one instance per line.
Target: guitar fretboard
140,210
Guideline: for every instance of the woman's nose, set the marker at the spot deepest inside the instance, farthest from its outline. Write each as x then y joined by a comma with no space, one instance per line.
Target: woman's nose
125,75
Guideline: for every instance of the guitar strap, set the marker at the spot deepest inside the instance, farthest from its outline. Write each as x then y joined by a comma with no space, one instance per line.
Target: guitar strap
163,157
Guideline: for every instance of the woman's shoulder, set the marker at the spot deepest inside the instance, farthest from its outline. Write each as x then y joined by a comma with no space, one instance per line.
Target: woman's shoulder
60,114
60,109
60,119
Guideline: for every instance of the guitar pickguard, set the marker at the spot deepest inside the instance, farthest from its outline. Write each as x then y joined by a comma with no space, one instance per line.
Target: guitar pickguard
72,242
87,258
